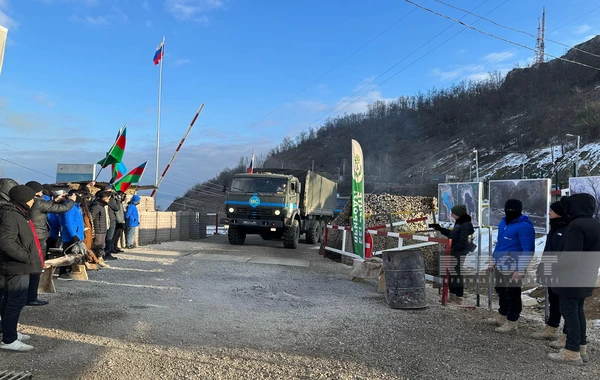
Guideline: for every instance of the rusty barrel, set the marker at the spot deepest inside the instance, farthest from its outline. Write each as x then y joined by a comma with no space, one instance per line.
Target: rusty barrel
405,279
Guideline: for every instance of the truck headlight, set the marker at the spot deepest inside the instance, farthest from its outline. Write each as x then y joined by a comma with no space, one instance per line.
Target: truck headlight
231,209
277,212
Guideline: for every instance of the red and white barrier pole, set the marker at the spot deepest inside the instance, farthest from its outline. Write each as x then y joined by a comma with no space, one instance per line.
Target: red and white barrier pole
177,150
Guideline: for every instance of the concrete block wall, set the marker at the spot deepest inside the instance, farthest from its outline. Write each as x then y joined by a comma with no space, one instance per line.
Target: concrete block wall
160,227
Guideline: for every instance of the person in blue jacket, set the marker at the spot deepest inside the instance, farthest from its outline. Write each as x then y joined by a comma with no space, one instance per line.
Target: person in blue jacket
512,257
132,219
72,227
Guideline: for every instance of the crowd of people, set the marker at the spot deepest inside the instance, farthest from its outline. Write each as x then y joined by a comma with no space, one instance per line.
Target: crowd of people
568,269
37,219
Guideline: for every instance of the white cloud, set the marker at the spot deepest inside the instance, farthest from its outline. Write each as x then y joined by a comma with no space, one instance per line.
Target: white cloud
43,99
116,15
183,61
146,5
5,20
192,10
499,57
458,73
582,29
148,24
313,105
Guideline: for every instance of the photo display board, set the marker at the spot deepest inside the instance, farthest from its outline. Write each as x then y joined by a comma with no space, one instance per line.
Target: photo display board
587,185
462,193
534,193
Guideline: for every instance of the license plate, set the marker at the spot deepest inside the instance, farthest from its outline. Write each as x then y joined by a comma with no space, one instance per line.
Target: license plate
249,222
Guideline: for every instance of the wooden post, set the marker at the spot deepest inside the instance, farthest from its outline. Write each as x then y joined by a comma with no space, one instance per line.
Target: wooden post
78,272
47,281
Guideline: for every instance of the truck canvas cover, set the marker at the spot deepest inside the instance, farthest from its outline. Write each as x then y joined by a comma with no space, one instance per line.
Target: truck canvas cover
318,194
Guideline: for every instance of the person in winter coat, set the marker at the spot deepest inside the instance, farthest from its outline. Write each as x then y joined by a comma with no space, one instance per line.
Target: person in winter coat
5,185
132,219
72,229
120,222
111,211
20,256
576,274
101,221
461,242
39,215
512,256
558,225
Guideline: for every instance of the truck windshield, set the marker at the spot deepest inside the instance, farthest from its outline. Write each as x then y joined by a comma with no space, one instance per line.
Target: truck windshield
259,185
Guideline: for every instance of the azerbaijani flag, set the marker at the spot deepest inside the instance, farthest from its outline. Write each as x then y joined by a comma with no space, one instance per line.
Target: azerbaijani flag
160,52
251,167
118,171
131,178
115,154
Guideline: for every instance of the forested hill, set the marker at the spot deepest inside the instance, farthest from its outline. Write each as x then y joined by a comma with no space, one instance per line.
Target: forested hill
511,121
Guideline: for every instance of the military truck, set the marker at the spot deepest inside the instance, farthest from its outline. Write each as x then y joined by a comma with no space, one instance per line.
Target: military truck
279,204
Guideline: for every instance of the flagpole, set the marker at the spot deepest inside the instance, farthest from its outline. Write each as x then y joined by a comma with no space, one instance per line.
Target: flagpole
159,100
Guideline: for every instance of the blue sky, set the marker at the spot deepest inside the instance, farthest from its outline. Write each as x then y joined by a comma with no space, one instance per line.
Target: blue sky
75,71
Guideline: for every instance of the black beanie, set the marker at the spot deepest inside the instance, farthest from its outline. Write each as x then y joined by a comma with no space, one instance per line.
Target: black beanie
35,186
558,208
48,189
21,194
513,206
459,210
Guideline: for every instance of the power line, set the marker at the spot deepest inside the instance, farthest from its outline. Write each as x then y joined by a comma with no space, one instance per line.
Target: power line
25,167
515,30
330,70
497,37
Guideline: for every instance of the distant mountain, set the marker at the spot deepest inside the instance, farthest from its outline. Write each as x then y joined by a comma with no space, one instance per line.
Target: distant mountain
517,124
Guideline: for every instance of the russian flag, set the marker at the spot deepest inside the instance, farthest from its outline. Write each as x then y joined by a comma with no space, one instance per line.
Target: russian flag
251,167
160,52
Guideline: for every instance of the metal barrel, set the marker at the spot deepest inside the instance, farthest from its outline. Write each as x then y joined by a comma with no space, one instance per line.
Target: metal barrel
405,279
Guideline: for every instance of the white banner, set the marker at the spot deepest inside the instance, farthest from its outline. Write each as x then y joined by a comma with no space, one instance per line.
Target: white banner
3,34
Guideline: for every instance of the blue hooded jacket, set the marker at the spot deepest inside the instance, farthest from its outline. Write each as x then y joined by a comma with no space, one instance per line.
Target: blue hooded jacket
54,223
132,217
517,241
71,223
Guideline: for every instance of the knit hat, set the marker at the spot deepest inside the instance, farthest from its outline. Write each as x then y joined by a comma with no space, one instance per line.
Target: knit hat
514,206
48,189
558,208
21,194
35,186
459,210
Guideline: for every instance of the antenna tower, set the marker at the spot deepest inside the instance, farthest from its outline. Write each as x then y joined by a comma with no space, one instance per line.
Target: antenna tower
540,45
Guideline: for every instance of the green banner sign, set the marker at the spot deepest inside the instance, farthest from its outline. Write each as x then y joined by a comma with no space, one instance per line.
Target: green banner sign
358,196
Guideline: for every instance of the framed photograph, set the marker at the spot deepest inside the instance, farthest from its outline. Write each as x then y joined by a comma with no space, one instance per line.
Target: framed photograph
465,193
534,193
589,185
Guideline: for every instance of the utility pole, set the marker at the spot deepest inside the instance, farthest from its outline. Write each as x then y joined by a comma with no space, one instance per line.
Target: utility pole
476,163
576,168
540,45
523,174
344,168
313,165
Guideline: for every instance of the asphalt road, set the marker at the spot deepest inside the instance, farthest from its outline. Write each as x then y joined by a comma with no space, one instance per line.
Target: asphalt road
208,310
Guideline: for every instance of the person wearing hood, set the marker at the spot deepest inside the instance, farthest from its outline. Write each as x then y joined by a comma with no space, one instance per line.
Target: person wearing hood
511,258
558,225
120,222
576,275
101,221
5,185
20,255
39,216
461,242
72,229
132,219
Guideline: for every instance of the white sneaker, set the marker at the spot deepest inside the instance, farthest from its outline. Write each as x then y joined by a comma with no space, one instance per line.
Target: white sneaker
17,345
22,337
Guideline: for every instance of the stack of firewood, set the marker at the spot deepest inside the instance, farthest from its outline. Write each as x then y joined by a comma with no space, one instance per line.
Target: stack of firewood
380,209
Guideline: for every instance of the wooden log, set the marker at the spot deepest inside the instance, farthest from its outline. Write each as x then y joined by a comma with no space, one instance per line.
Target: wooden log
64,261
46,280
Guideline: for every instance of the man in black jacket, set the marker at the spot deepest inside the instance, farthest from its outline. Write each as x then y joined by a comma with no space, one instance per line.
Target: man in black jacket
5,185
39,216
101,222
20,255
558,226
576,275
461,246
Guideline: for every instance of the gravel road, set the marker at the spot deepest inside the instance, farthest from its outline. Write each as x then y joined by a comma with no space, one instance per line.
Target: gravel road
208,310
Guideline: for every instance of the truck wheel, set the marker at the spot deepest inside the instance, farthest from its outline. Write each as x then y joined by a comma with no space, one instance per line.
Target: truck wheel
322,229
236,235
291,235
312,234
